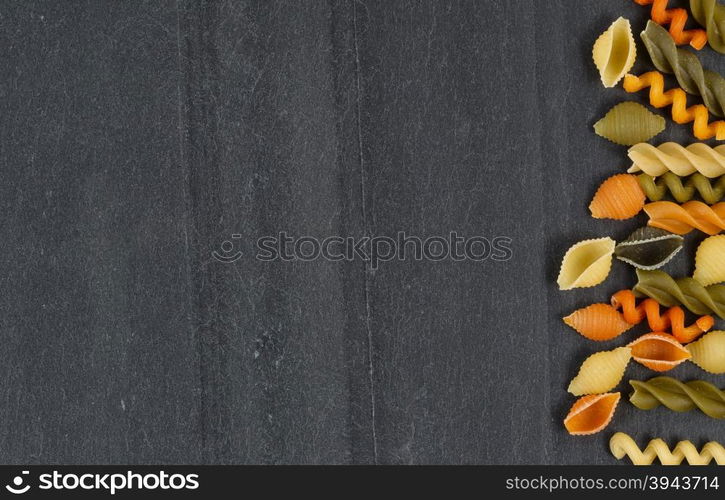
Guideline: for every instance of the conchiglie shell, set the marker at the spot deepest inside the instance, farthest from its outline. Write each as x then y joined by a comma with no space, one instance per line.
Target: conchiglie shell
590,414
586,264
658,351
709,352
619,197
598,322
710,261
600,372
628,123
614,52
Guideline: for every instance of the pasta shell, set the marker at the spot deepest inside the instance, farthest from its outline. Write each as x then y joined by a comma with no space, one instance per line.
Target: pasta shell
628,123
598,322
586,264
658,351
590,414
649,248
619,197
600,372
710,261
709,352
614,52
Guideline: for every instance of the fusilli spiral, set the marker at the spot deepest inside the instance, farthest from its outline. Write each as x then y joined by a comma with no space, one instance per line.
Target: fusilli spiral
711,15
680,160
678,396
622,444
676,18
660,286
656,188
681,219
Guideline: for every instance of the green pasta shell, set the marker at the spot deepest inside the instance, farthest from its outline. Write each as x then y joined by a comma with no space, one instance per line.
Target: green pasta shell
711,191
678,396
649,248
686,67
687,292
711,15
628,123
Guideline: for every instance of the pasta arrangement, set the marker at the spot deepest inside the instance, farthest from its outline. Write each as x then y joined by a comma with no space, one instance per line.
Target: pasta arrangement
702,128
681,219
628,123
590,414
648,248
680,160
709,352
600,372
710,261
622,444
687,292
678,396
614,52
586,264
658,351
710,14
655,189
676,18
690,74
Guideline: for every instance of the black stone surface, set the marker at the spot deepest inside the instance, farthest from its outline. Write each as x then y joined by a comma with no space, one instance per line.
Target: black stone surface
136,137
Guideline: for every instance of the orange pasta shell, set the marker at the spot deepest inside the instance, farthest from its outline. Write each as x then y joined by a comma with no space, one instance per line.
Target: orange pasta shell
591,414
619,197
658,351
598,322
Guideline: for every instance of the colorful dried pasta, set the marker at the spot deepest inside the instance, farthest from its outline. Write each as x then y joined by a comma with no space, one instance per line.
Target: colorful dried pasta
658,351
680,160
686,67
586,264
600,372
655,189
687,292
598,322
628,123
678,396
590,414
618,197
681,219
702,128
614,52
711,15
710,261
622,444
709,352
648,248
676,18
672,319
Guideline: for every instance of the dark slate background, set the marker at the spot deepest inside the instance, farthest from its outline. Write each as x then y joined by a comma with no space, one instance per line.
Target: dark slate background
137,137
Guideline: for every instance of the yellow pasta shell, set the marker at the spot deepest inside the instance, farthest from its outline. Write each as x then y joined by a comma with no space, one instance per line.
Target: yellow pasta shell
710,261
709,352
614,52
600,372
586,264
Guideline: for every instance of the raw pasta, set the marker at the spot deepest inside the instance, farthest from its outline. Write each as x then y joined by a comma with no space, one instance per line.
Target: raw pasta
676,18
688,292
686,67
710,261
681,219
678,396
586,264
649,248
600,372
614,52
656,188
622,444
680,160
672,319
598,322
711,15
619,197
628,123
590,414
709,352
702,128
658,351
